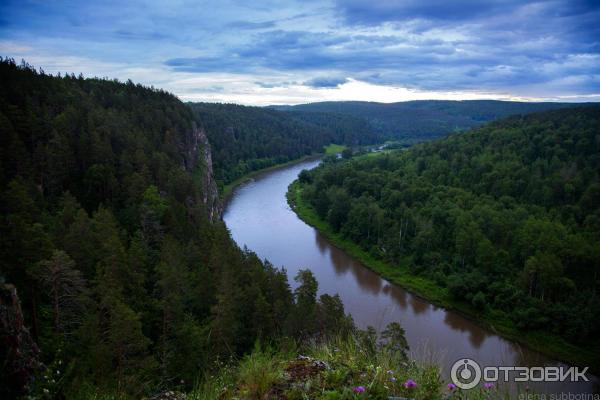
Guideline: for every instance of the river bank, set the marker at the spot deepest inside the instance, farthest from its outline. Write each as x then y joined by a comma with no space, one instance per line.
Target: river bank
230,187
548,344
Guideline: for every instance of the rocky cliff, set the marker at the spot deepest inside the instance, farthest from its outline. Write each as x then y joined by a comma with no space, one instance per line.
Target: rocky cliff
19,354
197,160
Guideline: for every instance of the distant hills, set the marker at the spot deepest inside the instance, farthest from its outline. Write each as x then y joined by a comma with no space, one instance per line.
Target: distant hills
246,139
416,121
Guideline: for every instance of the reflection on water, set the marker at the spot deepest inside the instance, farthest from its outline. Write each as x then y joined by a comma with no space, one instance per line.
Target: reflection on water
259,218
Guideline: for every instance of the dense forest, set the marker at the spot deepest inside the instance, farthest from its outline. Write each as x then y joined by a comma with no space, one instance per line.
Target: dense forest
126,282
119,280
505,218
417,121
246,139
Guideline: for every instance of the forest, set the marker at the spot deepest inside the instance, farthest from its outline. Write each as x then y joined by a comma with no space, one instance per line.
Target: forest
504,218
126,283
416,121
119,280
246,139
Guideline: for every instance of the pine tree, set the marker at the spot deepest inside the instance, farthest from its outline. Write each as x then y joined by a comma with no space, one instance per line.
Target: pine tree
65,287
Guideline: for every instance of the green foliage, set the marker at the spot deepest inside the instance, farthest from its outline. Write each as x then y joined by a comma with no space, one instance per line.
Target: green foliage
107,237
494,216
258,372
410,121
246,139
331,369
334,149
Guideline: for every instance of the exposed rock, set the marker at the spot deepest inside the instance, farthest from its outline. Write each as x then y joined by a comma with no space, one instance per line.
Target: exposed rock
18,351
197,155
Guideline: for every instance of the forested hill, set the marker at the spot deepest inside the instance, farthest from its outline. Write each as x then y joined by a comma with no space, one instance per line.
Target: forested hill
505,219
417,121
127,286
245,139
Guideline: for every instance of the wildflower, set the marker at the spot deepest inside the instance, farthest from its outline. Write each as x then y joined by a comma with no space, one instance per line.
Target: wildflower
359,389
393,379
390,372
451,386
46,391
488,385
410,384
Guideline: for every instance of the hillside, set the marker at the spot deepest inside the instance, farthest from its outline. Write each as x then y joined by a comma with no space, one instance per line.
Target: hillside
503,220
110,236
247,139
417,121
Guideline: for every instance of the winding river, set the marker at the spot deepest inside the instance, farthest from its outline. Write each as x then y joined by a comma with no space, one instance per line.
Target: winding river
259,217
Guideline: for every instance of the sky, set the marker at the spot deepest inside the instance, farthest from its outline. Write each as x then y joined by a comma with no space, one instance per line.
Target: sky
288,52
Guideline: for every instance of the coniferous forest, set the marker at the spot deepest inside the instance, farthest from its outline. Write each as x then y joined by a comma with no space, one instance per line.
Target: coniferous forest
126,284
247,139
504,219
120,280
299,200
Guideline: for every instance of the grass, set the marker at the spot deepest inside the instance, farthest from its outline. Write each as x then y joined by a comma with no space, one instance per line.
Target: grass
258,373
341,368
546,343
334,148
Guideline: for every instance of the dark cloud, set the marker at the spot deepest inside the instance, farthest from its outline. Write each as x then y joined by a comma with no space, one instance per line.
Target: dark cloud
506,46
325,82
375,12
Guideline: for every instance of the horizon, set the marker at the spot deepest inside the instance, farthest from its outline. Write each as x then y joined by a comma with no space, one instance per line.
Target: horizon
288,53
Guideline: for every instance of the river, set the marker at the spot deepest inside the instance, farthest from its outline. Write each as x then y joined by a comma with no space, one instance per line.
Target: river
259,217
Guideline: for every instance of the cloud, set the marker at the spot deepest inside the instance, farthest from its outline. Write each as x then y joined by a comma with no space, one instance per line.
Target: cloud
543,48
325,82
441,11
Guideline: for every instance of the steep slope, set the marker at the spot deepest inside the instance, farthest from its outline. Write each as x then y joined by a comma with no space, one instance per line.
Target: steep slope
110,232
246,139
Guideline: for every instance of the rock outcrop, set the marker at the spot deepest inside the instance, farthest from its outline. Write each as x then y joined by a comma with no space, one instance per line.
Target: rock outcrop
19,354
197,160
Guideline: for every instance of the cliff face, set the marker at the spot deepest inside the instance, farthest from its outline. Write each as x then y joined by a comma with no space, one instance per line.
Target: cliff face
19,354
198,161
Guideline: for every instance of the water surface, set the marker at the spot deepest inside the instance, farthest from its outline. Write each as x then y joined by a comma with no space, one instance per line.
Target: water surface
259,217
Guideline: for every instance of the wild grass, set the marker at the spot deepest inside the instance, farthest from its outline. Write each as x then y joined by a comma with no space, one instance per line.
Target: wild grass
341,368
334,148
259,372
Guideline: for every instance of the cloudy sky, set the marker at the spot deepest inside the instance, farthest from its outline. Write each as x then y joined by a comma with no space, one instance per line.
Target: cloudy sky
266,52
